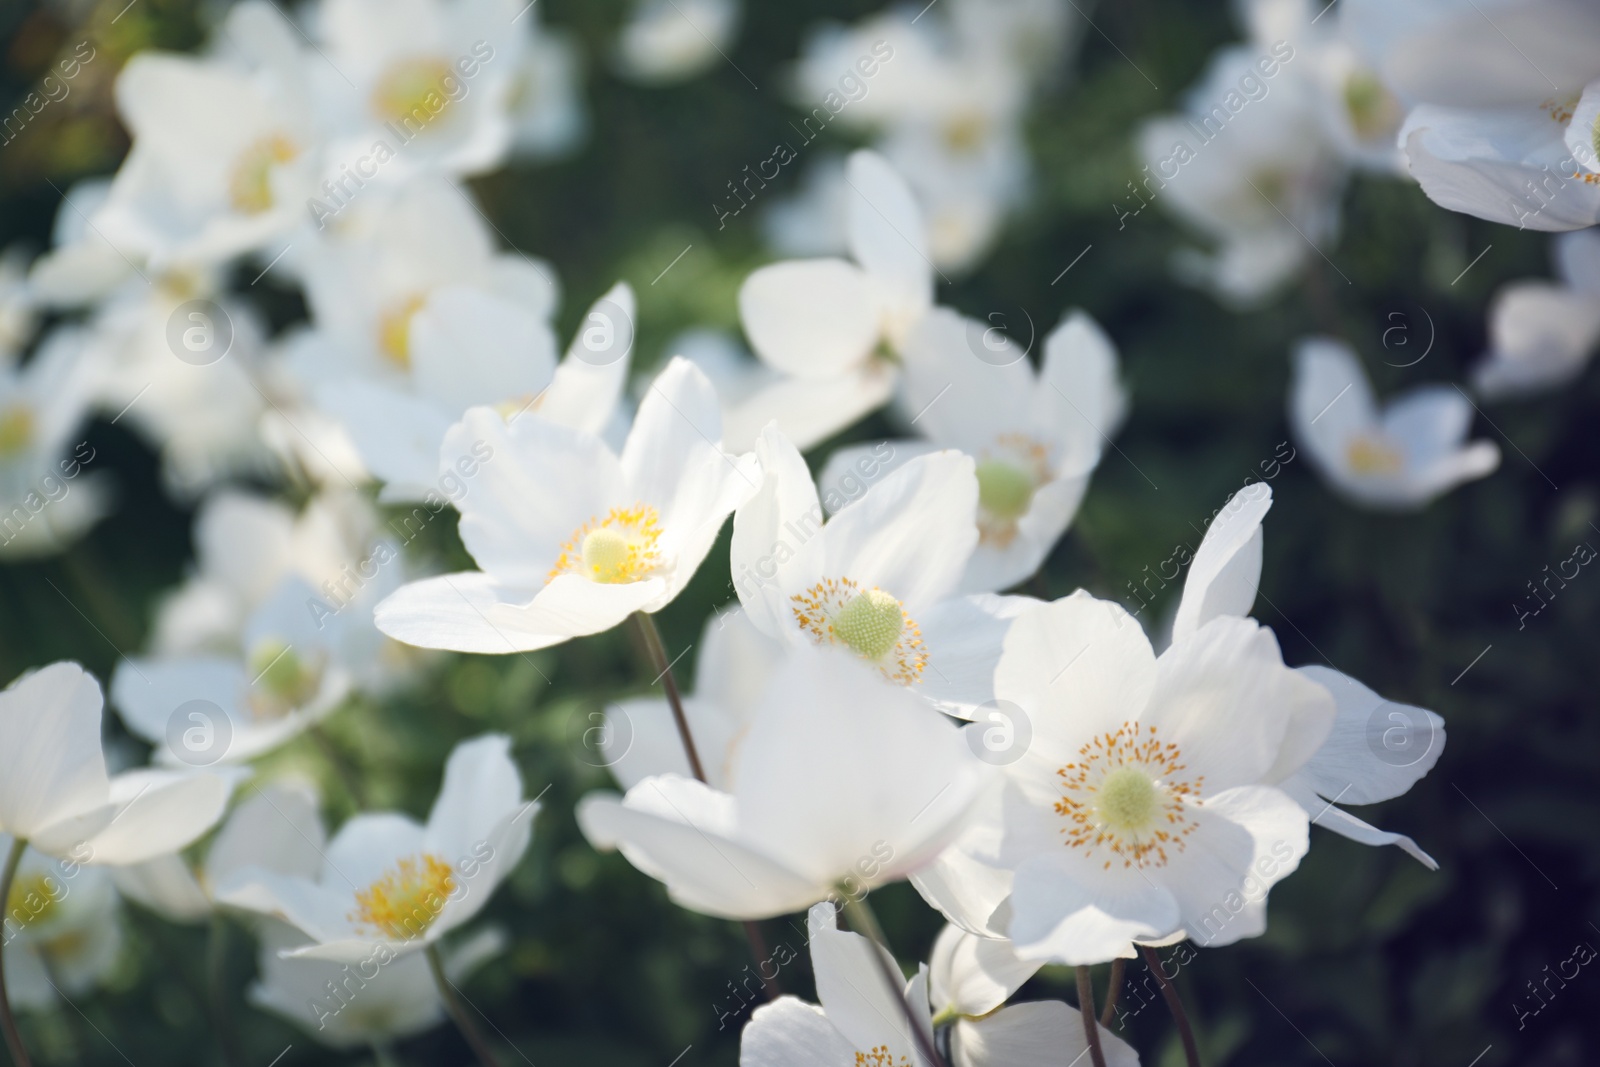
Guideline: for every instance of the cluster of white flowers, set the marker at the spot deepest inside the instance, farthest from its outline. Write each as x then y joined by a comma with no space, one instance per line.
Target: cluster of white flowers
876,707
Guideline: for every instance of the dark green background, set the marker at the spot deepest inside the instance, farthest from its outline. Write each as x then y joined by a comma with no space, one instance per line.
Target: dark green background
1369,958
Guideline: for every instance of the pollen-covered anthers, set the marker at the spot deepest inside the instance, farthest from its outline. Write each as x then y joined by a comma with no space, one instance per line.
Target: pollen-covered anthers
403,903
250,180
1123,794
1373,454
1560,110
871,623
1008,475
618,548
880,1057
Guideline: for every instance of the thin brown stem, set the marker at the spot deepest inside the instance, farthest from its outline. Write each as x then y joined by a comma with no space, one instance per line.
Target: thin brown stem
8,1021
1119,967
1091,1026
859,914
663,667
656,650
458,1011
1191,1051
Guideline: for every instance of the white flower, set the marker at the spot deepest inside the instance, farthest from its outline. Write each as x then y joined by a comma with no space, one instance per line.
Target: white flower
54,790
1140,809
860,1017
277,827
379,264
1036,436
860,1020
372,1002
272,634
829,322
467,348
428,80
1402,457
1541,334
1365,759
969,980
1249,164
638,737
46,499
1498,135
804,814
223,157
547,112
391,886
877,580
664,41
63,929
573,538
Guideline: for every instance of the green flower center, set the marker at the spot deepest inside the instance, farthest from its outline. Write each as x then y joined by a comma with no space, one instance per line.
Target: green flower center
282,680
16,430
1004,489
870,624
1129,800
605,552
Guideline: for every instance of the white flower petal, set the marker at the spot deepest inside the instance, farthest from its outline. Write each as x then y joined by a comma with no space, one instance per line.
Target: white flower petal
1226,570
811,318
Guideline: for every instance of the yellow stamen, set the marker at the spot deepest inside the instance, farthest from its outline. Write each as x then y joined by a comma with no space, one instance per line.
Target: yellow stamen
406,900
871,623
394,330
34,898
281,680
250,184
412,90
618,548
880,1057
1123,794
1373,454
17,426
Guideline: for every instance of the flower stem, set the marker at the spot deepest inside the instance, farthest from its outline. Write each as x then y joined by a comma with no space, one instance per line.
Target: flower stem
458,1011
383,1055
657,651
859,914
1169,992
1091,1027
1119,967
216,965
663,667
8,1021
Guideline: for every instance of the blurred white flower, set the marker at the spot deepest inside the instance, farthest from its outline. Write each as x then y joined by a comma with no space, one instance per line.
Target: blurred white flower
547,111
1542,334
804,813
834,325
411,87
571,537
1036,436
63,929
390,886
1399,458
1497,133
18,313
277,827
667,41
373,1002
54,790
468,348
1365,759
1154,773
878,580
224,157
1249,165
46,500
272,634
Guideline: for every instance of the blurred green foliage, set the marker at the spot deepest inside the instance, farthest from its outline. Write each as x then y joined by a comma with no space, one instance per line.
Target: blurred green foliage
1369,958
